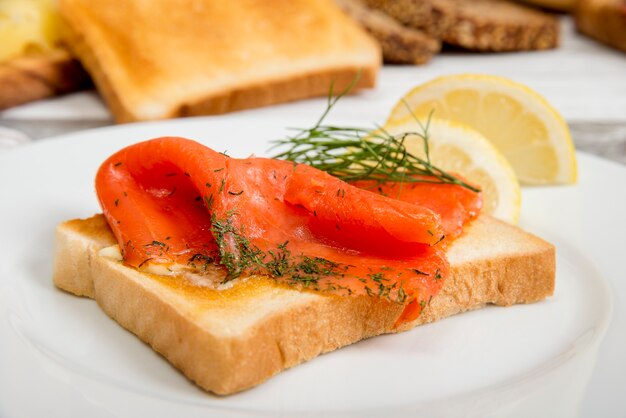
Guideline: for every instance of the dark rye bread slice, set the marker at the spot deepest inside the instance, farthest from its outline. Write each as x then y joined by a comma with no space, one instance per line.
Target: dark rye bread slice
482,25
400,44
230,340
424,15
494,25
38,76
603,20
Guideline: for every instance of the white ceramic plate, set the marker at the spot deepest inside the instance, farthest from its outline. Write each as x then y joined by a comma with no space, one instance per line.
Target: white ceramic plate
61,356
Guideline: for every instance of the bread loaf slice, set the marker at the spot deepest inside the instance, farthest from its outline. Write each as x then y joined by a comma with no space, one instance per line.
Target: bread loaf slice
183,57
496,25
37,76
603,20
424,15
481,25
230,340
400,44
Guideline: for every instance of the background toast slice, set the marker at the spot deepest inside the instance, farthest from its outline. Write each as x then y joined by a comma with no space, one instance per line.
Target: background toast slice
210,57
229,340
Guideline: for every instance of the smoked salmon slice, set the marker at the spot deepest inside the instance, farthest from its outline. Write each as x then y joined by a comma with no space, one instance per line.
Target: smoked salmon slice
173,200
455,205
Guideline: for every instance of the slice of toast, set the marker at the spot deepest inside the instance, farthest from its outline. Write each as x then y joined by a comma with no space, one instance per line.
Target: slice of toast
230,340
603,20
37,76
152,61
400,44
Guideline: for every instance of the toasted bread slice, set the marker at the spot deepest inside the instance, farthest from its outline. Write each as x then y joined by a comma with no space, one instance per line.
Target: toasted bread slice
230,340
603,20
37,76
150,61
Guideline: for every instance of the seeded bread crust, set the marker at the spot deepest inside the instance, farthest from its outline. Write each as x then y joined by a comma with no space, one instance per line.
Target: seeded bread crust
228,341
38,76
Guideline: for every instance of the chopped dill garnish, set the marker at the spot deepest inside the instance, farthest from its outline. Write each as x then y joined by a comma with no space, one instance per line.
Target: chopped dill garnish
209,201
238,255
155,243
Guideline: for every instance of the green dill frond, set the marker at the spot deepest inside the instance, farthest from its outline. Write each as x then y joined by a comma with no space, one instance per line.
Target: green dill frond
355,153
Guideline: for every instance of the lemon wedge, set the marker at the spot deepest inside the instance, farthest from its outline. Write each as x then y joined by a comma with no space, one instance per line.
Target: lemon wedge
529,132
462,150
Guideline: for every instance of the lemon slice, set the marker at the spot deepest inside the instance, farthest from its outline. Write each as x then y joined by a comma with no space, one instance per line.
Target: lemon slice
519,122
459,149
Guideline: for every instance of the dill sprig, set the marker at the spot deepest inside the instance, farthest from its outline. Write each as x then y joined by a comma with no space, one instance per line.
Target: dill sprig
353,153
